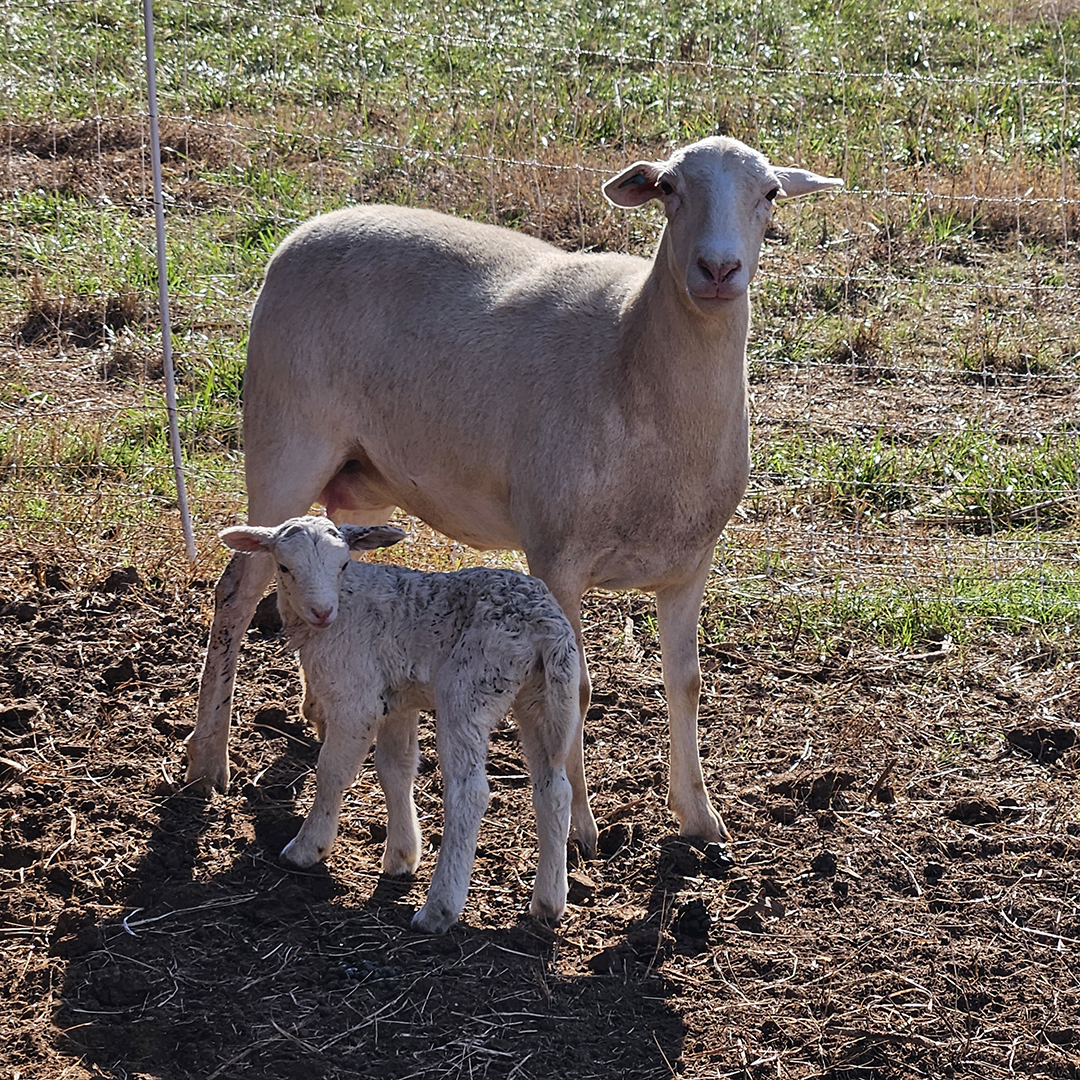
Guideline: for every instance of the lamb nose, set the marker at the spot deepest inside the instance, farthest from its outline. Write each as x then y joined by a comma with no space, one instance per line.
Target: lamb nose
321,615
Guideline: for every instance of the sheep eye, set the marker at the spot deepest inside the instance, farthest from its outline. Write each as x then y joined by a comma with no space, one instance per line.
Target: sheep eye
772,194
283,568
665,187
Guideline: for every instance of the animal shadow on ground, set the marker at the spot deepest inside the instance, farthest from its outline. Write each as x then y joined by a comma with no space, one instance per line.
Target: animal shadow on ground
228,965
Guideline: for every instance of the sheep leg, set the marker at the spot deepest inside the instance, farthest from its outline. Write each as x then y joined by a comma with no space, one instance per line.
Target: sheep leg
462,734
551,798
238,590
310,709
582,823
340,759
277,490
397,755
678,609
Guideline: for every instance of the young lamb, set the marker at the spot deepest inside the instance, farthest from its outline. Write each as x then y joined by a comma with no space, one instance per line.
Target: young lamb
376,644
587,409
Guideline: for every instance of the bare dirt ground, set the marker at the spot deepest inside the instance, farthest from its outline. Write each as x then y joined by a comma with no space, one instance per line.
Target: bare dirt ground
901,897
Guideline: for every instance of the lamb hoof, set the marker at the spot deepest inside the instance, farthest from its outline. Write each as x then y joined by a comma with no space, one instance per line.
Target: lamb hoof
205,771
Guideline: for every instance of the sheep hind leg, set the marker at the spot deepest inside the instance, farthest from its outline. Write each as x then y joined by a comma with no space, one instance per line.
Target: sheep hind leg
397,755
677,613
238,590
551,796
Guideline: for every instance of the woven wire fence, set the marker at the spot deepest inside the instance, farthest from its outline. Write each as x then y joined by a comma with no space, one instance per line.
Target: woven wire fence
915,351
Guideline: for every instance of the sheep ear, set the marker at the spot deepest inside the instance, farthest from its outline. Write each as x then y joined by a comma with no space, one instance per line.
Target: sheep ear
370,537
249,538
635,186
796,182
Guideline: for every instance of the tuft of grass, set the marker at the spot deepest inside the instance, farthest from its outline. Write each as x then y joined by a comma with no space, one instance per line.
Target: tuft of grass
861,349
969,480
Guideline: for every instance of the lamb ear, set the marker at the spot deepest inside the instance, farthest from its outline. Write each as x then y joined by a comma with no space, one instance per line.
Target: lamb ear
796,182
248,538
370,537
636,185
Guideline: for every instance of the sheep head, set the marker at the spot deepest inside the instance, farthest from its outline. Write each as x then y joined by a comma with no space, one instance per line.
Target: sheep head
718,196
312,554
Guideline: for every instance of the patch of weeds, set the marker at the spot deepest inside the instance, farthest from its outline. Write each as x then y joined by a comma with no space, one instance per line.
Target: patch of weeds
1004,363
900,615
832,295
990,487
130,357
861,350
82,322
859,479
71,457
14,391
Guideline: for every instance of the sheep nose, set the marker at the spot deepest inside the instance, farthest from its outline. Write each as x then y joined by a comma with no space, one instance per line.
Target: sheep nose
321,616
718,271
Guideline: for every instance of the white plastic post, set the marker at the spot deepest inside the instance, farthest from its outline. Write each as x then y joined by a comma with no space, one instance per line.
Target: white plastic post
163,282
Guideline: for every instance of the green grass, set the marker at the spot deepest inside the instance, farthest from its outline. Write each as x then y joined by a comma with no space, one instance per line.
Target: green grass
942,279
970,479
897,616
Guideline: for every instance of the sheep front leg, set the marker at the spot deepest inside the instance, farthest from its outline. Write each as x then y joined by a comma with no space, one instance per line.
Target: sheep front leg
310,709
462,738
238,590
397,755
678,610
340,759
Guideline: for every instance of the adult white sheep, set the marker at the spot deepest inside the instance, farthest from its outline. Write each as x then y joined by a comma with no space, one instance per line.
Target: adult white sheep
376,644
588,409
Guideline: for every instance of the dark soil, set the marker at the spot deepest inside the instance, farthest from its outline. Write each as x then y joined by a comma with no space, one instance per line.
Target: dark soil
901,897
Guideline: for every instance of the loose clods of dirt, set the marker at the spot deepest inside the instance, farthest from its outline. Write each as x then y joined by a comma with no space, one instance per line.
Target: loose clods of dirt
1044,745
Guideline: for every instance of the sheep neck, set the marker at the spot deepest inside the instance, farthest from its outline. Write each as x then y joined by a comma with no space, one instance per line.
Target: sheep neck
679,360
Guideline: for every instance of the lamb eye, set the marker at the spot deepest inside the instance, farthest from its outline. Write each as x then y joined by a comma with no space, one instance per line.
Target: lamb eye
665,187
283,568
772,194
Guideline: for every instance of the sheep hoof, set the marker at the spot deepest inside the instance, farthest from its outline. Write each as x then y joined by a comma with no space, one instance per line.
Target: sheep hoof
400,864
546,911
434,920
297,856
710,830
204,773
586,849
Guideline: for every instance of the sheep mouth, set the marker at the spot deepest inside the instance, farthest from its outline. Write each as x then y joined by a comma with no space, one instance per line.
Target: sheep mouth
719,295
